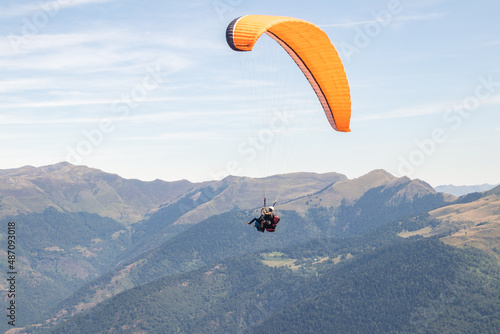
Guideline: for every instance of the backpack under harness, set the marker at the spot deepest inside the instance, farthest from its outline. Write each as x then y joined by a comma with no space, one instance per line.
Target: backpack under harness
272,226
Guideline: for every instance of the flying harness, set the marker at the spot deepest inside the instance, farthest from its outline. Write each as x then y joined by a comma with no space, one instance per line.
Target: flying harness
270,226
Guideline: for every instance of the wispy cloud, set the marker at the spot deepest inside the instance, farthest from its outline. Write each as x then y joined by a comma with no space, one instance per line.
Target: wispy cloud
12,136
422,110
402,18
109,37
492,43
74,102
23,84
33,118
48,7
93,50
184,135
493,101
44,42
91,68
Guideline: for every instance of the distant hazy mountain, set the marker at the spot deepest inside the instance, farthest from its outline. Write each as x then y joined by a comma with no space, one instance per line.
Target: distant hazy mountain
463,190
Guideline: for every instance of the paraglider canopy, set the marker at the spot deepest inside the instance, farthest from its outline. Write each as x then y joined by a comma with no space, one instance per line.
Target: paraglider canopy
312,51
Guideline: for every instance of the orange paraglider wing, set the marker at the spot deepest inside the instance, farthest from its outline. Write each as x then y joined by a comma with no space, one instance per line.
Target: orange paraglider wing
312,51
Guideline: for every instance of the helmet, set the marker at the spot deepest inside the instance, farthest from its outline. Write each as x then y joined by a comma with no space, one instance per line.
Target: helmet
271,208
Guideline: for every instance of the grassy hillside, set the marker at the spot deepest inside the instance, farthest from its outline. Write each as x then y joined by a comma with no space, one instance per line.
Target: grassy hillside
244,193
344,190
471,224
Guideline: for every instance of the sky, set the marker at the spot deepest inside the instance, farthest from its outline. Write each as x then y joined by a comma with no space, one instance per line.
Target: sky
150,90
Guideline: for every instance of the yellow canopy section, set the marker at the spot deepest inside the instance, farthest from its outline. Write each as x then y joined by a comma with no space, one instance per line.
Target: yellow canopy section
311,49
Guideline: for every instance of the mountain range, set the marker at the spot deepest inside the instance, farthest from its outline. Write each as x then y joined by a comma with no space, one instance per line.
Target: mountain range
90,240
70,188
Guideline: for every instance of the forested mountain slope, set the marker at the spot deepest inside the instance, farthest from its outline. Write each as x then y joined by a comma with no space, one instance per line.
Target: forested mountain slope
391,289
